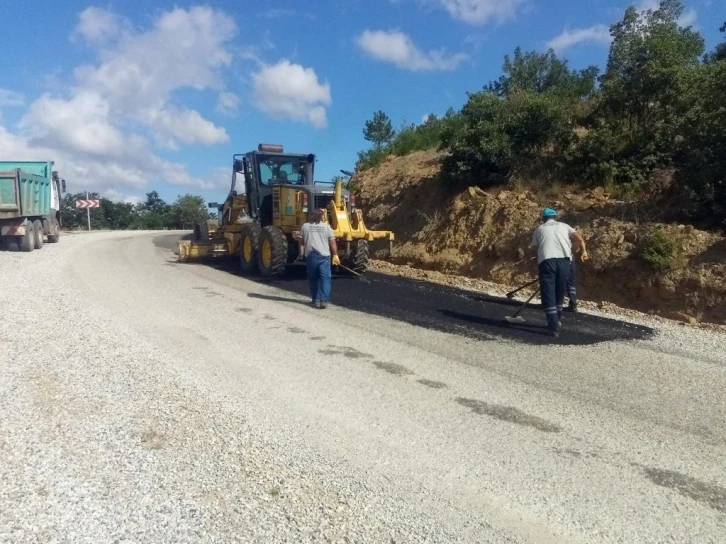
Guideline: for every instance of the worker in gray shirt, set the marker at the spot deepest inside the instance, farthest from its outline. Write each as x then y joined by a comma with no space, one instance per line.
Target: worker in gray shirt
553,241
318,242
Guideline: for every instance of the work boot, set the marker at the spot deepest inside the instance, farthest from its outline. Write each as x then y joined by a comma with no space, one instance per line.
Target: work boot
572,308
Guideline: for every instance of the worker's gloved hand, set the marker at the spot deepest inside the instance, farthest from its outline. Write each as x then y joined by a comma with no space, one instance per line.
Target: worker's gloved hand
584,256
336,260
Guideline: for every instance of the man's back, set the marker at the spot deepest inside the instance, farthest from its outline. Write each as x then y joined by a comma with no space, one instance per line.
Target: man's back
317,236
552,240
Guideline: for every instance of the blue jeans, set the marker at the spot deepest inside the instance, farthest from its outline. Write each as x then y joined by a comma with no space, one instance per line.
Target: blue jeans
318,276
553,275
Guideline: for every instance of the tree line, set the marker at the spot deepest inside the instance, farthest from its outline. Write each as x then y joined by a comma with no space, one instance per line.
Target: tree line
656,112
151,214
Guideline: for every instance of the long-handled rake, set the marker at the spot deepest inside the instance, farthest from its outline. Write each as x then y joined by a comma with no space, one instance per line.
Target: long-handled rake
511,293
360,276
516,318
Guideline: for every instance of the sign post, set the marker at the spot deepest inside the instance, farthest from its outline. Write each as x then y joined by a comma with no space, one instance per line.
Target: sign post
88,204
88,214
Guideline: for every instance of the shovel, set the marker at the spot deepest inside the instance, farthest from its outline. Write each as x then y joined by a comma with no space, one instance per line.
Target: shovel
516,318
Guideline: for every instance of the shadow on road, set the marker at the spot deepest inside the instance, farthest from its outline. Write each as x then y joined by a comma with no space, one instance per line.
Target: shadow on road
437,307
500,323
279,299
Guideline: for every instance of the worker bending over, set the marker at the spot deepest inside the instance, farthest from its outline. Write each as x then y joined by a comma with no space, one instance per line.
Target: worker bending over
554,241
317,243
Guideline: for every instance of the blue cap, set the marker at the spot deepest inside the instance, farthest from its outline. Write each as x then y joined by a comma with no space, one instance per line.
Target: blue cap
549,212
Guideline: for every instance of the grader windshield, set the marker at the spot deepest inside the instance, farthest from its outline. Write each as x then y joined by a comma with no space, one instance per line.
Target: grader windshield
274,169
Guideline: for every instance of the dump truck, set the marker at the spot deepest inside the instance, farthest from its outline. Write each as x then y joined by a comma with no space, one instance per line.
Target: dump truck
271,196
30,198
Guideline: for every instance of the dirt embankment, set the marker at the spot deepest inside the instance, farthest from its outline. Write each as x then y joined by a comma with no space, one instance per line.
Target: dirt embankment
486,234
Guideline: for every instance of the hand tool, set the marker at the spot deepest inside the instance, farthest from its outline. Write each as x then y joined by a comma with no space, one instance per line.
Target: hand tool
516,318
511,293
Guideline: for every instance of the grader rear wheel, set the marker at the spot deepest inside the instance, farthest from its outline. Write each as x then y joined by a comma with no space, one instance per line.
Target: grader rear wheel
201,231
249,247
272,255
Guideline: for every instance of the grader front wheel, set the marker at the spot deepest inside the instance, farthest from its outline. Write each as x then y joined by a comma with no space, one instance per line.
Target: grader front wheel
272,255
359,257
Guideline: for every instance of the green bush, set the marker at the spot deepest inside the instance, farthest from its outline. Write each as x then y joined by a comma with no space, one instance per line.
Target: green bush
662,250
701,154
501,138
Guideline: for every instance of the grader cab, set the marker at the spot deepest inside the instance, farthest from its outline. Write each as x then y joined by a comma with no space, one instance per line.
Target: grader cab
260,226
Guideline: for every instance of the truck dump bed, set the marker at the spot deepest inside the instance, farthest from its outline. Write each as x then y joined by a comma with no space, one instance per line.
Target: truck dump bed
25,189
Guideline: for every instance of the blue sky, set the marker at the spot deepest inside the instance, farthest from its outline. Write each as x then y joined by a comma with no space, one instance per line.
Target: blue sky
128,97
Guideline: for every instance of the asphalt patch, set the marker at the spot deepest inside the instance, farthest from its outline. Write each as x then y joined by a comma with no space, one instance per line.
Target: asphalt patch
392,368
712,495
432,384
509,414
439,307
350,353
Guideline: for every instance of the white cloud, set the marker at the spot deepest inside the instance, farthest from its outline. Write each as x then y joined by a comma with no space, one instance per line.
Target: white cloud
227,103
183,49
187,126
479,12
10,98
287,90
598,34
100,134
79,125
688,18
103,129
397,48
645,5
98,25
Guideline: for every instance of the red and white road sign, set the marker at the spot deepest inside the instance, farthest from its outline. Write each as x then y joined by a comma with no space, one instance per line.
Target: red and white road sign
88,203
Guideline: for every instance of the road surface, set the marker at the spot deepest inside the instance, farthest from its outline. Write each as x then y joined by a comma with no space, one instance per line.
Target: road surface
147,400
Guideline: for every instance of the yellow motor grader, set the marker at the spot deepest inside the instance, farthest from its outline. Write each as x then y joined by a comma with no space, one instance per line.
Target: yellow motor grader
262,224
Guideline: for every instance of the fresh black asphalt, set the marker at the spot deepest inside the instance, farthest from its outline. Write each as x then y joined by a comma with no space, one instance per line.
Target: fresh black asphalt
472,314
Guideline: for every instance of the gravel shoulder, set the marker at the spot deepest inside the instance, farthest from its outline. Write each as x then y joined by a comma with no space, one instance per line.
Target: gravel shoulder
145,400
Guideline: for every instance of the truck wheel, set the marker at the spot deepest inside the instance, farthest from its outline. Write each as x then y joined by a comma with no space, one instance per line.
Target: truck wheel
27,242
54,235
38,238
358,260
249,247
272,254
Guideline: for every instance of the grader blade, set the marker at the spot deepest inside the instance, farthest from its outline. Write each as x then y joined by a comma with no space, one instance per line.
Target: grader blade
188,250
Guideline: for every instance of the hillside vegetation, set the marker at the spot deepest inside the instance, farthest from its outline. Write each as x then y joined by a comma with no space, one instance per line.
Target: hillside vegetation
652,124
634,157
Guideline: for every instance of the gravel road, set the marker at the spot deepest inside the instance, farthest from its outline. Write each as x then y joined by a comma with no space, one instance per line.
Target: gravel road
149,401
